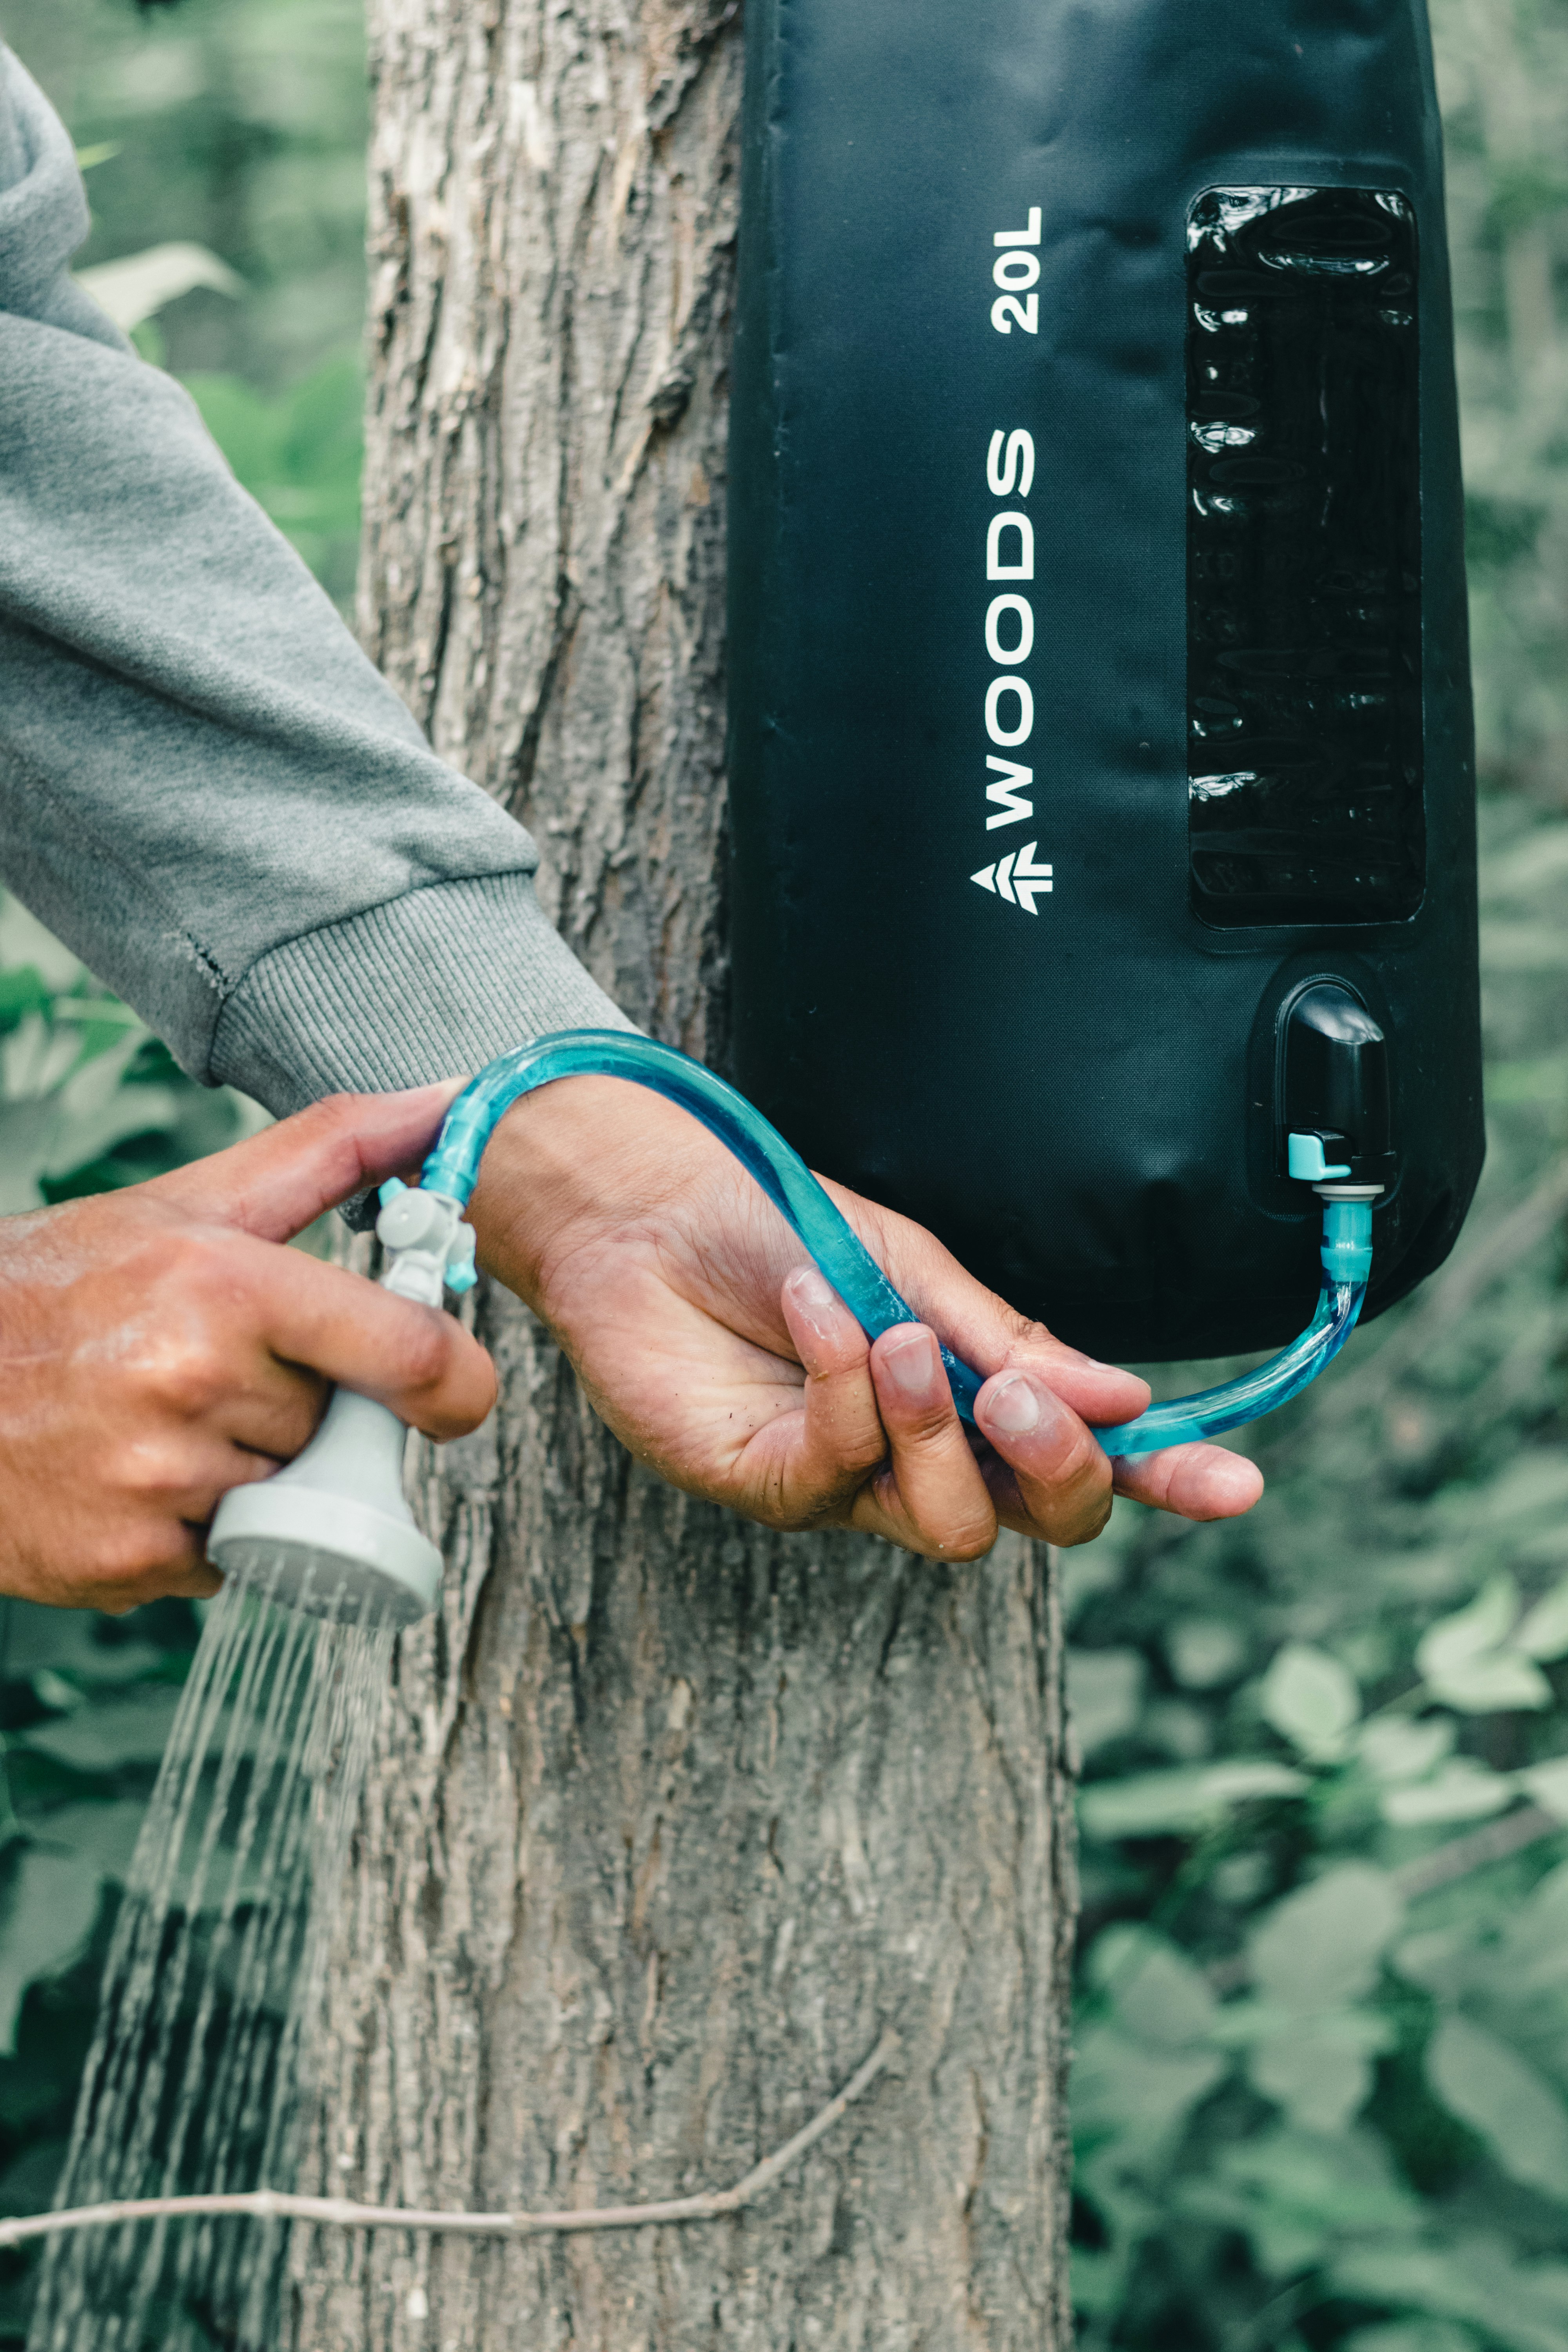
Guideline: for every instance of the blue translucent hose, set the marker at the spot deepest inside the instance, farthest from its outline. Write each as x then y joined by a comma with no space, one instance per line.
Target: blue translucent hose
453,1169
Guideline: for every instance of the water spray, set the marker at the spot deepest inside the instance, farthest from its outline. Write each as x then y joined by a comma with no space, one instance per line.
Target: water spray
334,1533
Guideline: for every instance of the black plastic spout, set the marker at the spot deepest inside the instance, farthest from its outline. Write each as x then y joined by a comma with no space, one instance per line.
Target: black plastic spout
1335,1083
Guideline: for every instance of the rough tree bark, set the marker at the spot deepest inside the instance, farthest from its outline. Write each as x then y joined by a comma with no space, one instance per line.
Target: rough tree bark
672,1816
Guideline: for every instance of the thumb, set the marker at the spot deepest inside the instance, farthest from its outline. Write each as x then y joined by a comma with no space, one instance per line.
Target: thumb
276,1183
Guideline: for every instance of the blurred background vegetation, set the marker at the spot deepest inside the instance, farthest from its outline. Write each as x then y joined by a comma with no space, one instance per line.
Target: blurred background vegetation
224,144
1321,2094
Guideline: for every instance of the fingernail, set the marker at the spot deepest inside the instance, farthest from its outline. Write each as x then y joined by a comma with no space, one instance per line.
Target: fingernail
814,1299
911,1363
1013,1406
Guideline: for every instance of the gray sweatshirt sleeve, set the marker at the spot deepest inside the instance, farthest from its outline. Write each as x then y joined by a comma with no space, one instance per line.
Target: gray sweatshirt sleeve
206,789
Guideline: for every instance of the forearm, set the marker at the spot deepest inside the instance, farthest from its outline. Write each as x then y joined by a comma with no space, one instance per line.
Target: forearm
433,984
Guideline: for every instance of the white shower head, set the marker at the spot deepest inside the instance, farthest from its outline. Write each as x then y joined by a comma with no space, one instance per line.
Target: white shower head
332,1534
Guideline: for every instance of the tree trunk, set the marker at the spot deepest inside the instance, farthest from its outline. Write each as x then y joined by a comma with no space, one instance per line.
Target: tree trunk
672,1816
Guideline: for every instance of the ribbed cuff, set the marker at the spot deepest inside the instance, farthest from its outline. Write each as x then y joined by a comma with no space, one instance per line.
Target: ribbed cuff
431,985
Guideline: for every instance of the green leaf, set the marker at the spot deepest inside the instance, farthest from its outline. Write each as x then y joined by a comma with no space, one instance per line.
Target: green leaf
1483,1625
1544,1633
1245,2024
1105,1690
1542,1079
28,2186
1516,2304
102,1834
1315,2066
243,422
105,1738
53,1691
51,1902
1205,1651
1484,2082
37,1058
1547,1785
1152,1804
1123,2089
1523,946
1297,2195
1320,1948
1320,2084
67,1102
1532,1486
1539,864
1411,2335
1159,1997
65,1639
1311,1699
1394,1748
298,454
1098,2280
1491,1686
141,284
1463,1790
23,941
1465,1663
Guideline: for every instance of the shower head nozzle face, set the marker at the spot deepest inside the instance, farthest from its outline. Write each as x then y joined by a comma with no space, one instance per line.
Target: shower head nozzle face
317,1581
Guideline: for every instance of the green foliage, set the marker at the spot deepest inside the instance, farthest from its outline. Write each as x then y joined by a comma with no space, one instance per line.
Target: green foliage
86,1702
1313,2051
89,1099
239,125
1322,2091
1321,2094
226,142
298,454
1504,77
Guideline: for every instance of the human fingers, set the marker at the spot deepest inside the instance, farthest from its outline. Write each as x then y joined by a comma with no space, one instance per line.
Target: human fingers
235,1314
417,1360
1056,1484
176,1479
840,1440
932,1498
275,1183
141,1536
172,1565
277,1411
982,1328
253,1398
149,1555
182,1572
1195,1481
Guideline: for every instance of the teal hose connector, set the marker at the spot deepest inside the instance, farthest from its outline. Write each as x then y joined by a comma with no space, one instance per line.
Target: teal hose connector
1347,1237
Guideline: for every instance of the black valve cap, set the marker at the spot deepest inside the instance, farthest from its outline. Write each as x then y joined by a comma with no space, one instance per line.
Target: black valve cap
1336,1079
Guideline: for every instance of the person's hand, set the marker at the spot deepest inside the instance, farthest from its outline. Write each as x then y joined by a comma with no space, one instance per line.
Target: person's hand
159,1346
723,1361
